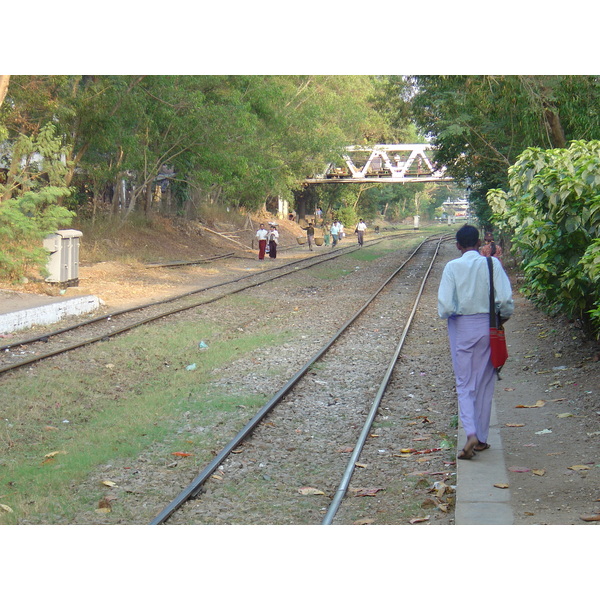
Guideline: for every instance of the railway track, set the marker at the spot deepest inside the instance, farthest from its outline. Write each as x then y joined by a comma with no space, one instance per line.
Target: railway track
319,404
100,328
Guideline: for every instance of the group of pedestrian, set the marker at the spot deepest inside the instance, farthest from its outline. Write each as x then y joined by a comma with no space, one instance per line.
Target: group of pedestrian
267,241
334,233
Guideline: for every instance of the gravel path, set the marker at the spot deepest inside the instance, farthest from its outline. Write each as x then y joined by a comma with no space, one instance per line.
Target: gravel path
548,404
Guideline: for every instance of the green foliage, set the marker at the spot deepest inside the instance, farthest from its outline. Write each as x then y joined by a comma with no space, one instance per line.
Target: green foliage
481,124
29,210
236,138
24,222
348,217
552,211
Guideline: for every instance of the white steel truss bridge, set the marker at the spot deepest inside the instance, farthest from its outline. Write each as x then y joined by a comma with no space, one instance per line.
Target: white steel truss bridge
384,163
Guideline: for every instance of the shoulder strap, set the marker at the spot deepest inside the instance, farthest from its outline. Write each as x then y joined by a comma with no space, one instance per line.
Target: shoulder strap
492,302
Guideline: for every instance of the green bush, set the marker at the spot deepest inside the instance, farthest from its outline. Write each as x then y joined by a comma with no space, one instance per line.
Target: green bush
24,222
552,212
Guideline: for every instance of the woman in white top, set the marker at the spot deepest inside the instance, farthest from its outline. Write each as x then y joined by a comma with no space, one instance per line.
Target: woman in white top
273,241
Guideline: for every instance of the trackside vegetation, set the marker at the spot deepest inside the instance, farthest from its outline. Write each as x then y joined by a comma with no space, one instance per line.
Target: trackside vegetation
522,149
552,214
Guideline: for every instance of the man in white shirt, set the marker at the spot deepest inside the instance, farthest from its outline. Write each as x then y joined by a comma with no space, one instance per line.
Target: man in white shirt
360,231
262,234
335,230
464,299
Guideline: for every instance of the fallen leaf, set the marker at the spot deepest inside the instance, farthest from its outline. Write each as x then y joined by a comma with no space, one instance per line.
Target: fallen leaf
361,465
365,491
345,449
364,522
590,517
218,477
109,484
564,415
502,486
515,424
6,508
53,454
543,431
184,454
540,472
538,404
419,520
237,451
50,428
104,504
439,488
579,468
509,389
310,491
103,510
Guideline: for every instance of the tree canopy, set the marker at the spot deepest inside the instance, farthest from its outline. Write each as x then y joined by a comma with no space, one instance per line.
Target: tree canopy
246,137
481,124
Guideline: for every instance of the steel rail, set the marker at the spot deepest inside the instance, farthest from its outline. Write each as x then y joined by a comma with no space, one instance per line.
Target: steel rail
115,332
350,468
108,316
194,487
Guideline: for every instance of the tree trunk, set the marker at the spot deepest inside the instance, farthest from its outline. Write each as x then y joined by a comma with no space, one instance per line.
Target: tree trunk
132,201
301,197
554,126
4,79
148,200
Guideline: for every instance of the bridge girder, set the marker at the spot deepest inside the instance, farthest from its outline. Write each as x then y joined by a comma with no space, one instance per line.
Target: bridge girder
385,163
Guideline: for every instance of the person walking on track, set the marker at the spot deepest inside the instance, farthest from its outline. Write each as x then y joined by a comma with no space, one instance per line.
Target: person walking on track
262,234
464,300
360,232
310,235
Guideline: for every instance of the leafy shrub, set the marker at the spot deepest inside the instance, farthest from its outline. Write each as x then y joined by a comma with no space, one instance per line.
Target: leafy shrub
29,197
552,212
24,222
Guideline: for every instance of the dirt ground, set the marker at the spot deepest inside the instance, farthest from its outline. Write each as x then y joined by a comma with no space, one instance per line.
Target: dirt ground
548,401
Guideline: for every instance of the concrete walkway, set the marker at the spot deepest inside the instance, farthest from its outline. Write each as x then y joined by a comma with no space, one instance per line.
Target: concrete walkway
20,311
478,502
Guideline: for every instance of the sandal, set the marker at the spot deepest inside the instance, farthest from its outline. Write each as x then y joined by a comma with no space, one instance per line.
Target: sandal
481,446
468,452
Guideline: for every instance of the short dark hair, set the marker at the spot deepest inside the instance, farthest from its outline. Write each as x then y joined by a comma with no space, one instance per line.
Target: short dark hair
467,236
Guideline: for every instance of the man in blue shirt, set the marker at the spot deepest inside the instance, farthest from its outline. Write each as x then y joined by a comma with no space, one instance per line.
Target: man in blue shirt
464,299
